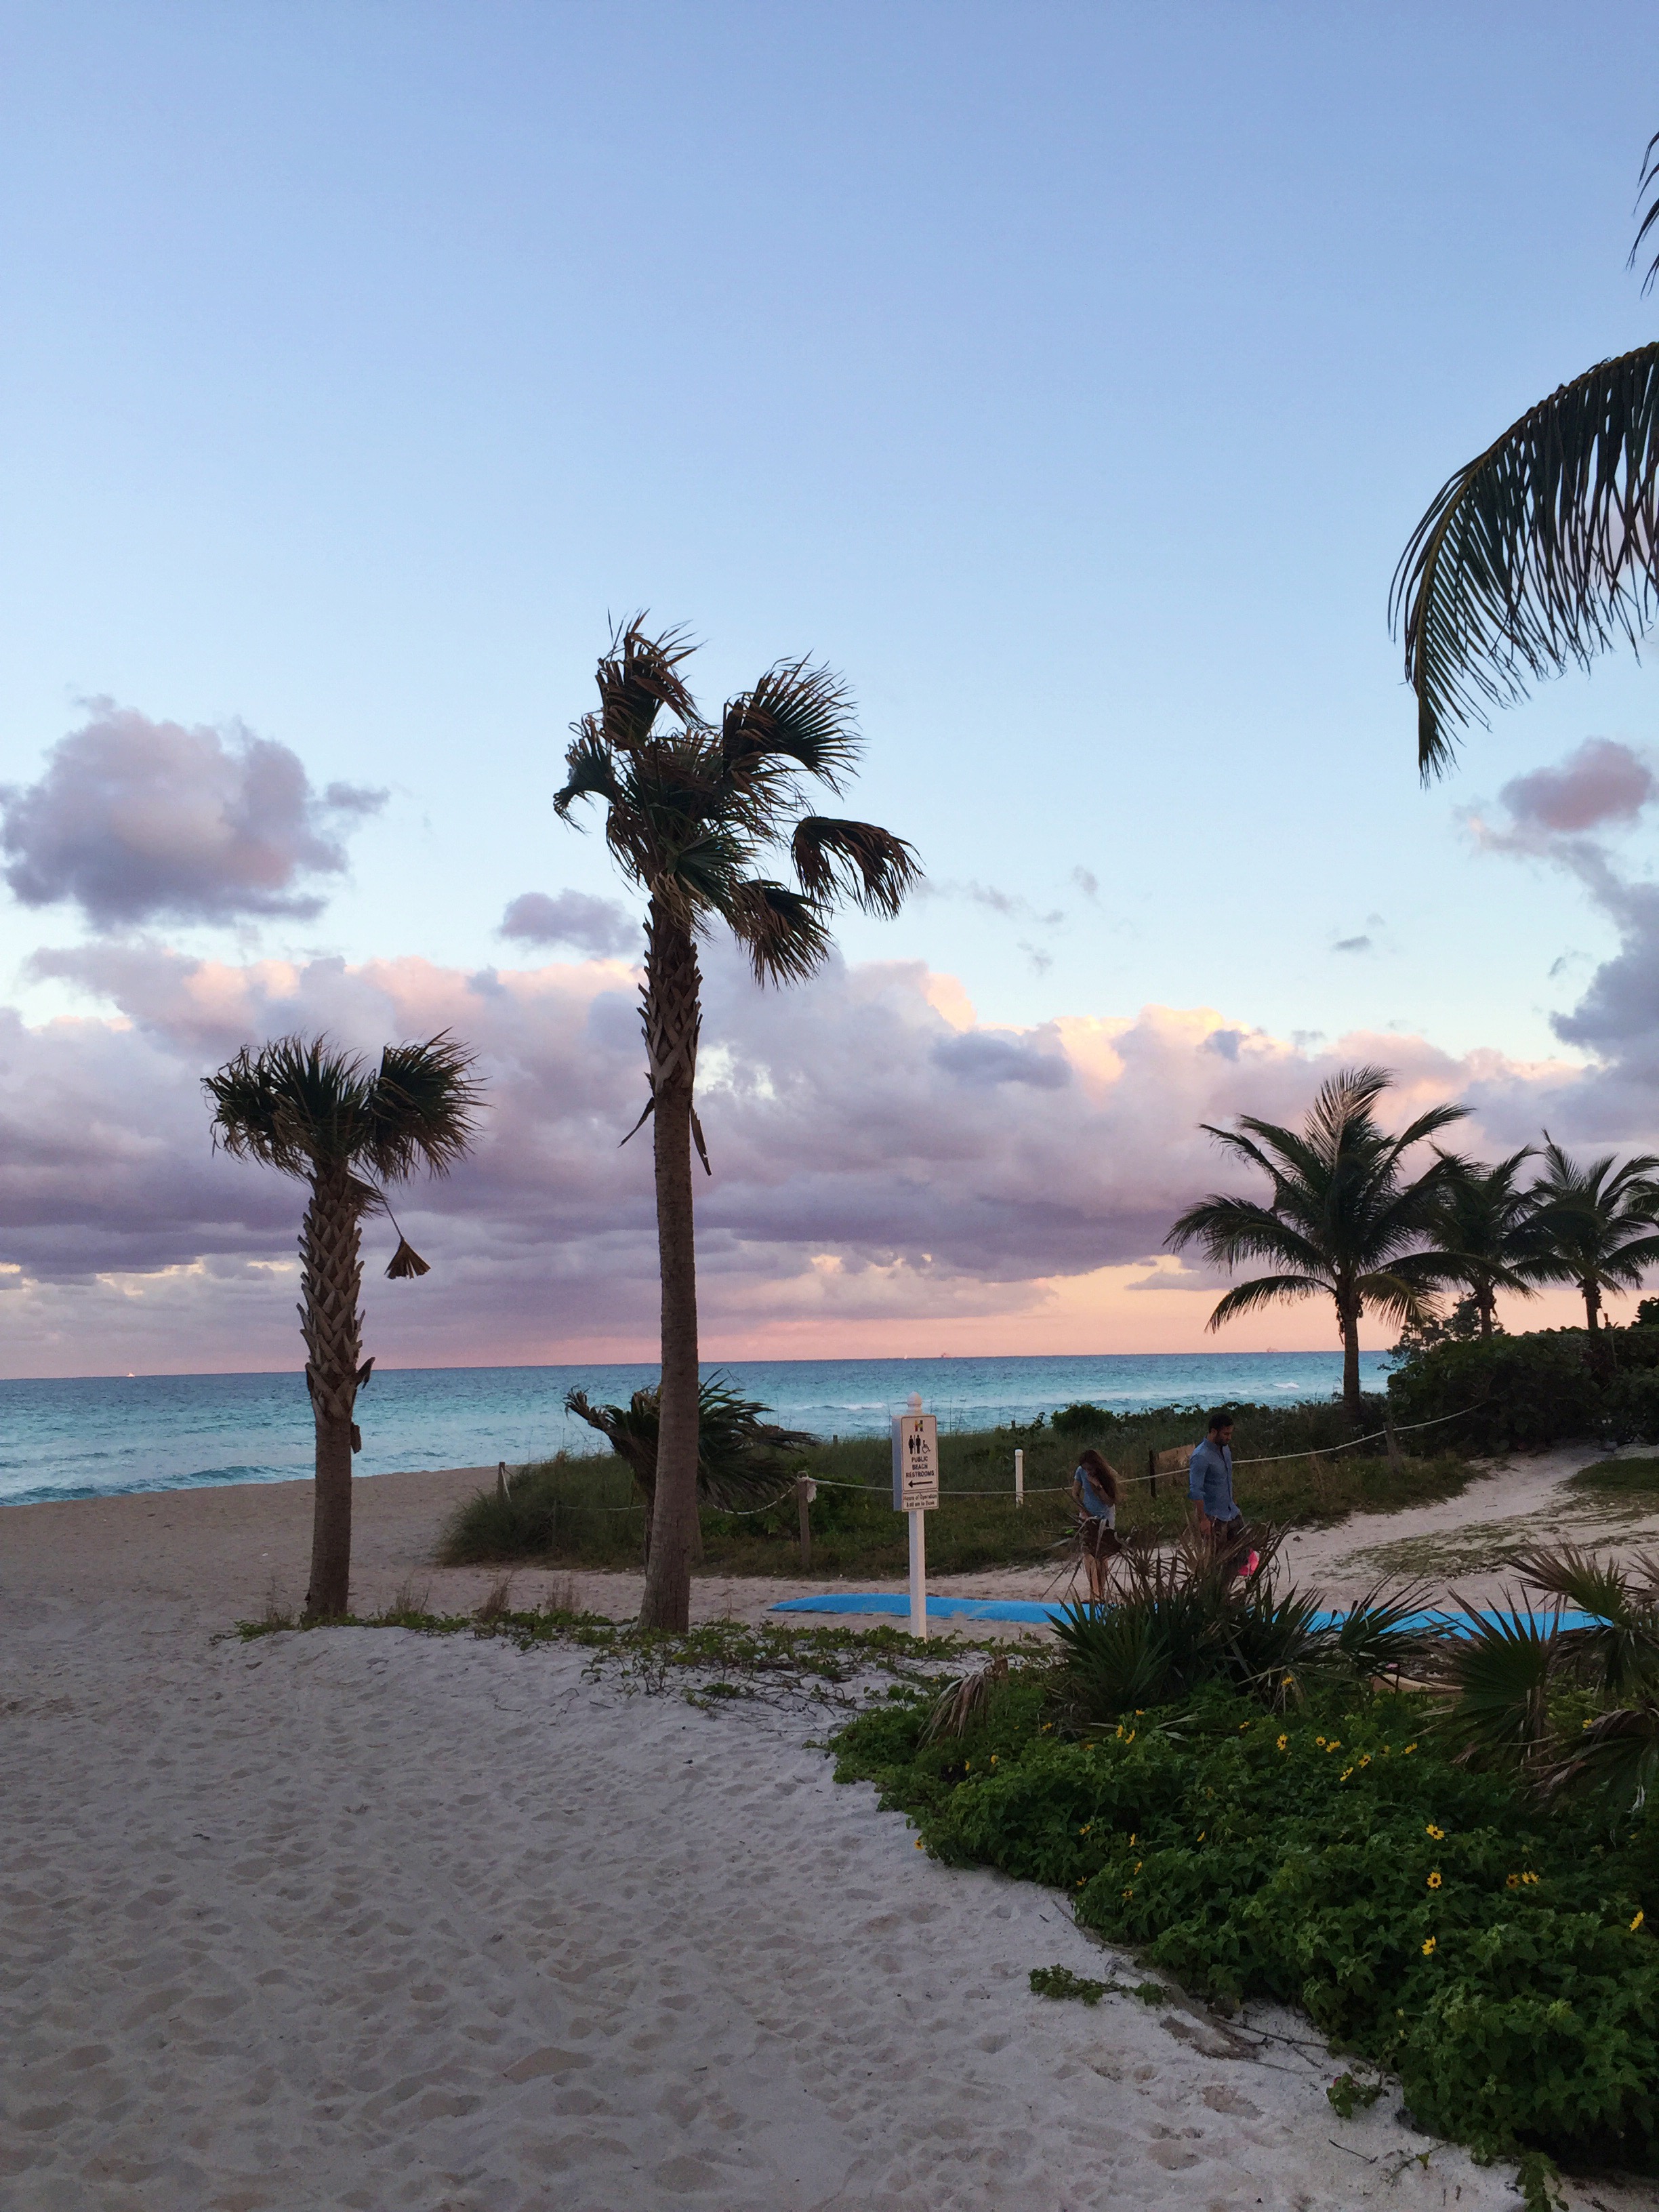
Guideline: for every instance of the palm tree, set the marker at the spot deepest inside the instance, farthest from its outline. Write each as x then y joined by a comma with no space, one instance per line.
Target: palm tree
692,809
1486,1231
1342,1222
1542,551
741,1462
1602,1225
303,1106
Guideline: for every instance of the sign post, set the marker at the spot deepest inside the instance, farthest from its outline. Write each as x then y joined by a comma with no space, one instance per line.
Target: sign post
916,1491
1019,1478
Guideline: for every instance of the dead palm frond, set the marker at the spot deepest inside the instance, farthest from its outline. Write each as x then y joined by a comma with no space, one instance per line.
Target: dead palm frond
964,1704
742,1459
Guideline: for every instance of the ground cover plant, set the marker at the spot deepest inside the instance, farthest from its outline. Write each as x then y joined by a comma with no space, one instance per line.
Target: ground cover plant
1639,1476
1299,1831
587,1511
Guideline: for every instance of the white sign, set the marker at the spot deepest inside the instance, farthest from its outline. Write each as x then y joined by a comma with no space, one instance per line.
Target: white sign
916,1463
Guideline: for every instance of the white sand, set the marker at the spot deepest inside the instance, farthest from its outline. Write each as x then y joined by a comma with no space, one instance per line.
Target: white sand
366,1919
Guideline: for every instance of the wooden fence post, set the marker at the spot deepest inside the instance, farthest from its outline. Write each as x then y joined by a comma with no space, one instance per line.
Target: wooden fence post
805,1489
1152,1472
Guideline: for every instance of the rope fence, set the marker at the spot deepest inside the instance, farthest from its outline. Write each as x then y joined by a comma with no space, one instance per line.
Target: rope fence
1051,1489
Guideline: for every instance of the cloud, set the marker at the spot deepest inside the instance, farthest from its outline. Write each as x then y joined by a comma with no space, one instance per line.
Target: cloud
138,821
1602,785
1351,944
600,928
880,1157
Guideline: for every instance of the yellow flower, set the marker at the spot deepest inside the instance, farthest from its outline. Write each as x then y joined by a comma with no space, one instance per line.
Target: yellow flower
1127,1895
1242,1726
1345,1773
1364,1759
1512,1882
993,1759
1130,1737
1335,1744
1434,1879
1409,1747
1289,1682
1531,1878
1081,1879
1132,1842
1202,1834
1085,1829
1428,1949
1136,1868
1636,1922
918,1843
1283,1740
1439,1834
1320,1740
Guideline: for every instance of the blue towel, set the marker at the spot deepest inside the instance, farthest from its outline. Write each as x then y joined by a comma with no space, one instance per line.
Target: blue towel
1015,1608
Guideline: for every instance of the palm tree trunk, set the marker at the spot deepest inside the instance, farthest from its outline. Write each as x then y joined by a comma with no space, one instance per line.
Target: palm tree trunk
1351,1365
1592,1290
331,1281
673,1018
1486,1305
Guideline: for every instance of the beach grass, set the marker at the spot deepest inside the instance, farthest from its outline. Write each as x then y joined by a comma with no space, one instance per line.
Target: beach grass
1639,1476
586,1512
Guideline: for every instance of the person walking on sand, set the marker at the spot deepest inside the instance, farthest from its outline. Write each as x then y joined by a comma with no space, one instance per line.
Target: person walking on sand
1098,1487
1209,1489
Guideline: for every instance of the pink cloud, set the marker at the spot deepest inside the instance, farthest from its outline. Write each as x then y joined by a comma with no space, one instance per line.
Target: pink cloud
883,1163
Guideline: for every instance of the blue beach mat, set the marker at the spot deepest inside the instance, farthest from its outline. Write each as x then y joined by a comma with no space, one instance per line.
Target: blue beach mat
1041,1612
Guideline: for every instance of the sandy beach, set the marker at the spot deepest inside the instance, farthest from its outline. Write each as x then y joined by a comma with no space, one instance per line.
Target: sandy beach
374,1919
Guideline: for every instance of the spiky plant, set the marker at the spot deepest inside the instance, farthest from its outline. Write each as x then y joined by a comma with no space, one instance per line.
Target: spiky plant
1542,551
740,1458
1342,1219
1505,1667
1487,1228
694,811
346,1129
1599,1224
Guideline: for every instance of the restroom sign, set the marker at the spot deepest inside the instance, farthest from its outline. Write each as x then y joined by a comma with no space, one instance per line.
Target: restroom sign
916,1463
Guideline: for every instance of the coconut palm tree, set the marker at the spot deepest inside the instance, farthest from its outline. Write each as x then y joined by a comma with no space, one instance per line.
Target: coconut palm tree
1486,1231
346,1129
693,810
1343,1220
1543,550
1601,1223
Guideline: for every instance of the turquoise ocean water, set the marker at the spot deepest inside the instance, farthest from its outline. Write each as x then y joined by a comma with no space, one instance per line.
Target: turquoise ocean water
98,1436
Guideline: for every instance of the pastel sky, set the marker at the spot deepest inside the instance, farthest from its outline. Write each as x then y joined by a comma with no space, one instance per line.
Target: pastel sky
1068,377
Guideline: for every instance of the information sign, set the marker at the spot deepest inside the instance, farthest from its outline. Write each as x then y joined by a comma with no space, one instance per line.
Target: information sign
916,1463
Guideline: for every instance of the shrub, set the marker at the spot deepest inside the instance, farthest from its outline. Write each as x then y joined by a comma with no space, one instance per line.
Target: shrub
1428,1917
1513,1392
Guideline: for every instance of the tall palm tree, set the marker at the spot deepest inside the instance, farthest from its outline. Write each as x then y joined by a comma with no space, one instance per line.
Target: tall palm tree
693,809
1487,1232
1542,551
1601,1223
346,1129
1343,1220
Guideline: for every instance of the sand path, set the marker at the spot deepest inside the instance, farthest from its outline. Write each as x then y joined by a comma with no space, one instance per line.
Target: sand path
372,1919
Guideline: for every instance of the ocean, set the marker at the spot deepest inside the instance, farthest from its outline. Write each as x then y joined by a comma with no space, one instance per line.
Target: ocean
99,1435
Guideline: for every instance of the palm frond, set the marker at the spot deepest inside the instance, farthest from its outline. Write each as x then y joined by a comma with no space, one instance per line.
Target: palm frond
1229,1230
590,769
1650,179
1537,554
1617,1752
785,935
296,1104
1382,1634
867,862
1265,1290
422,1107
637,678
1500,1669
798,716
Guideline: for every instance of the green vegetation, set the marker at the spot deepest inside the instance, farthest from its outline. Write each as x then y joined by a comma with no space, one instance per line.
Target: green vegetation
586,1512
1525,1393
1060,1982
1430,1919
1641,1475
1454,1882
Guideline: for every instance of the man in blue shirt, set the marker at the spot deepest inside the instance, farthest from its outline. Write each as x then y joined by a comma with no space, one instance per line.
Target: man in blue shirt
1210,1485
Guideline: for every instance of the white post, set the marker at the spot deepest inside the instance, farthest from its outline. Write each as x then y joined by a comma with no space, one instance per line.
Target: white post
1019,1478
918,1574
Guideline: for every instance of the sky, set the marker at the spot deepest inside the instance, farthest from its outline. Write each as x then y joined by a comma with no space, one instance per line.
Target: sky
1069,378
